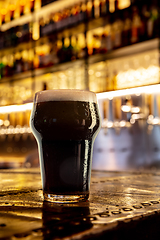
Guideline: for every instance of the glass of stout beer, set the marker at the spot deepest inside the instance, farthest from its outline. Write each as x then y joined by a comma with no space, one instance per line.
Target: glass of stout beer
65,124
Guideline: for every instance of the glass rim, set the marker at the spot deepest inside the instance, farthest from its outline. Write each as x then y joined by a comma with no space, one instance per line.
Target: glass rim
65,95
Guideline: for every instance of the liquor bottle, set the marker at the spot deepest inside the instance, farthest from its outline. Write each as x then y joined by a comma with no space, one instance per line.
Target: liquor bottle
35,62
92,14
81,45
153,21
65,18
62,51
76,11
114,80
70,49
108,31
144,12
117,27
126,31
21,7
14,36
3,15
18,62
136,24
12,9
82,12
89,39
25,60
4,66
54,52
89,9
96,43
41,25
17,10
32,2
74,47
46,26
116,5
104,7
27,8
57,19
103,47
96,8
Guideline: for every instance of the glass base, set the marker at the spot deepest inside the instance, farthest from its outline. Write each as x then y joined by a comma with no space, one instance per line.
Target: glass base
65,198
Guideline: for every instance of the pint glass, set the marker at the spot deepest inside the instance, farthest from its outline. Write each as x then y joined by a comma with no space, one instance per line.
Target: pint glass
65,124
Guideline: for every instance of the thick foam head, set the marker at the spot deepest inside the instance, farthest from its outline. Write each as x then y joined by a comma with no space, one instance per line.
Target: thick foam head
65,95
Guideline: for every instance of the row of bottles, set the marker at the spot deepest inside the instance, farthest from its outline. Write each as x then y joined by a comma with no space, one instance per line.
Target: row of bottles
53,22
55,49
16,35
121,28
16,9
92,9
81,12
127,26
48,53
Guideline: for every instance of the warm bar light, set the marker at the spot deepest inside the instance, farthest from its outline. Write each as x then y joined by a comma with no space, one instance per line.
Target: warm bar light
16,108
138,90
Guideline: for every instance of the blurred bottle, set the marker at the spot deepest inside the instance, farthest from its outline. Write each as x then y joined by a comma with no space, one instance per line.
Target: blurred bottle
89,39
27,8
17,10
21,7
82,12
126,31
41,26
117,27
3,66
108,31
54,51
69,48
153,21
116,4
89,9
46,25
62,49
103,46
74,14
136,25
32,3
25,60
18,62
96,9
104,7
3,15
144,19
12,8
81,45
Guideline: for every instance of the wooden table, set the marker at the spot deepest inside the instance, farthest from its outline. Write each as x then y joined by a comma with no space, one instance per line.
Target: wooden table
122,205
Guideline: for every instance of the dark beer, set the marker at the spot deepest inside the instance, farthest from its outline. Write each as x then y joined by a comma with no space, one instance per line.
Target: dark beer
65,130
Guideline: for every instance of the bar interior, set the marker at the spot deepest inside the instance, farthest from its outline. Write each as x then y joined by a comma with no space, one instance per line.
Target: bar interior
110,47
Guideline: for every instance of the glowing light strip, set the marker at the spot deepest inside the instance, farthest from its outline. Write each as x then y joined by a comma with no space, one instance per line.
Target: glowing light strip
137,91
16,108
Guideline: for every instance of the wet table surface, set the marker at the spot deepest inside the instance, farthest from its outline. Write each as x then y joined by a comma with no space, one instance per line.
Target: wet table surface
122,205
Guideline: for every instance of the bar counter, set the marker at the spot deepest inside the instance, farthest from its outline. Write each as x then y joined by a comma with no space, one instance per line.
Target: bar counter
122,205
